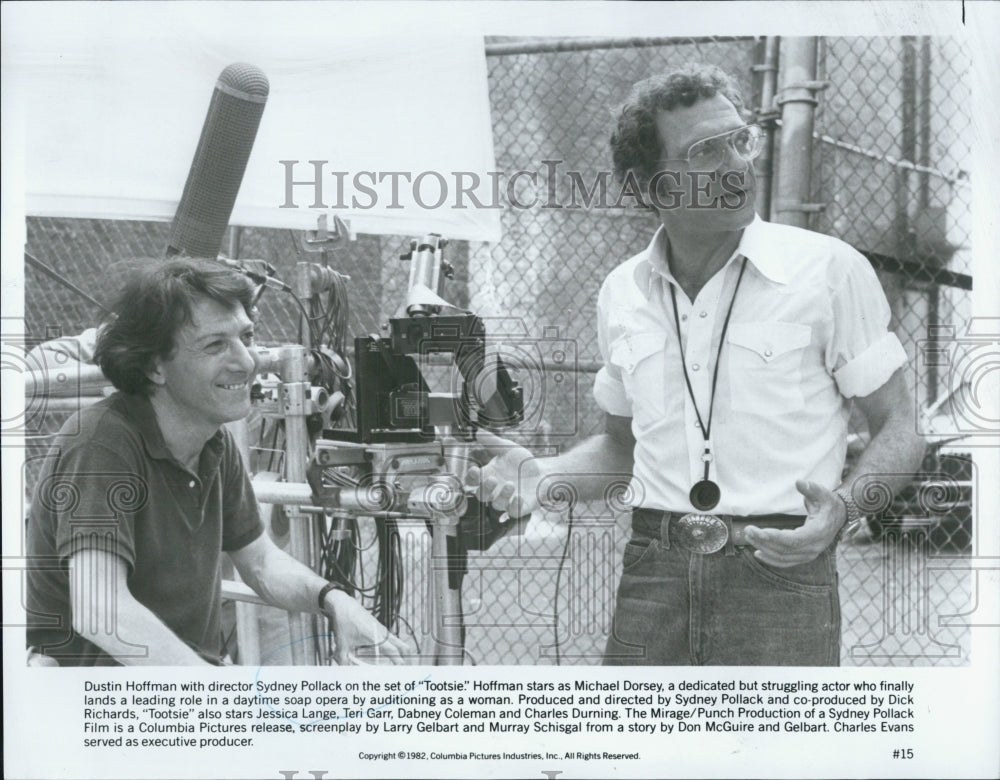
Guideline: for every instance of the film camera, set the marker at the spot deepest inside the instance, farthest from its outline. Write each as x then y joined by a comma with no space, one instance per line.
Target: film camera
394,398
410,449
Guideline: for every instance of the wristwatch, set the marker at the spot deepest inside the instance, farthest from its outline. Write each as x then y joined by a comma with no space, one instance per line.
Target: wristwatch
853,510
321,599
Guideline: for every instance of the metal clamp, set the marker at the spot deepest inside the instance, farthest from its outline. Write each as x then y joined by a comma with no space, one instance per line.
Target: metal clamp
766,117
322,239
811,86
292,396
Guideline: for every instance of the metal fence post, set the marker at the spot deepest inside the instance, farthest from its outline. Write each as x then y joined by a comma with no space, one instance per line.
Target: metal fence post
767,115
797,101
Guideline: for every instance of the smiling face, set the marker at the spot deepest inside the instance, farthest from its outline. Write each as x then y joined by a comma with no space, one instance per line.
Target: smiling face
704,201
205,382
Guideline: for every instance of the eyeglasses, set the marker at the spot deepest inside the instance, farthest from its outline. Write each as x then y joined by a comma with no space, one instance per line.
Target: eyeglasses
709,153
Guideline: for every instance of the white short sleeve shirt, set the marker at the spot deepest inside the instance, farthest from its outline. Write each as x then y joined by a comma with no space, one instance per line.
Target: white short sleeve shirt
808,332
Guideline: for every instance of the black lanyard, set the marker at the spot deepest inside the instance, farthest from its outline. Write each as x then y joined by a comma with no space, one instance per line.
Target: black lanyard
705,494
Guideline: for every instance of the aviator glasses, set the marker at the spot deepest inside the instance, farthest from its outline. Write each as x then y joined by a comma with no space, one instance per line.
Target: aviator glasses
709,153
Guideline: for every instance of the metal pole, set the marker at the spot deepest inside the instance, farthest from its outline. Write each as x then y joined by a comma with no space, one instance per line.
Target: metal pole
235,241
905,238
767,116
449,568
798,103
247,614
293,391
64,381
924,108
293,394
557,45
934,291
907,148
303,289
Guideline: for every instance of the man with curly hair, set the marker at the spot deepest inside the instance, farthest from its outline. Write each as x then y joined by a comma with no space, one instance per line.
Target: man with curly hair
142,492
732,349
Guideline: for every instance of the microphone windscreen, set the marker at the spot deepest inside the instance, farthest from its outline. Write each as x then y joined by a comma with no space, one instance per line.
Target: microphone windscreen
219,162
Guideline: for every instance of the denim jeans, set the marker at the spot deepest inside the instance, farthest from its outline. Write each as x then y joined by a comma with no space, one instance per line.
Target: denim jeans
721,609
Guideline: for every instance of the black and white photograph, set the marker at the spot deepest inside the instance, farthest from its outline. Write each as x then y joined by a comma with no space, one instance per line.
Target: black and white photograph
384,378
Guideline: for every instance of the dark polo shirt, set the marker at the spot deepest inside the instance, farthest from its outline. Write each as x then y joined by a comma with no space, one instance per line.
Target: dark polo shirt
109,483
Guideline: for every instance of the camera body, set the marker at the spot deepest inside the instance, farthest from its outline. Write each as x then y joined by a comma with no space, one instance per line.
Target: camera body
394,399
546,366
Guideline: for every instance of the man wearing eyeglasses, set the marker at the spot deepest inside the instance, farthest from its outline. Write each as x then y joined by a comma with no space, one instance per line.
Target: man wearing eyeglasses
732,351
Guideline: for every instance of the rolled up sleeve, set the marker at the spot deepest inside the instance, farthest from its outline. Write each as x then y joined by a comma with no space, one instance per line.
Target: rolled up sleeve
864,353
609,392
867,372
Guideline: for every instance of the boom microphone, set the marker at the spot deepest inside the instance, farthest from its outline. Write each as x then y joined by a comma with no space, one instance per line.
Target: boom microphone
219,162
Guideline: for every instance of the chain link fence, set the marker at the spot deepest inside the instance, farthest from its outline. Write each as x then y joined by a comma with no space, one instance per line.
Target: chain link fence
890,164
891,167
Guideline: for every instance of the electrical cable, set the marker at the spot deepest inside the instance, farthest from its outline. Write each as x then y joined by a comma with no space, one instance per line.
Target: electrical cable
411,632
226,639
279,428
559,571
309,319
34,262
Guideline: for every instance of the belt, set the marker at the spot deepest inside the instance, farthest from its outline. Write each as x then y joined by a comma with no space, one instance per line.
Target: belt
701,533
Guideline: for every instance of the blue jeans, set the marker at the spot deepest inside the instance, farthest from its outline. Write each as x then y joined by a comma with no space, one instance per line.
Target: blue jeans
722,609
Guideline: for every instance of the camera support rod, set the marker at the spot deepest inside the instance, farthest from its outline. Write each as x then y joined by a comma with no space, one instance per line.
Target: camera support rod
293,393
448,555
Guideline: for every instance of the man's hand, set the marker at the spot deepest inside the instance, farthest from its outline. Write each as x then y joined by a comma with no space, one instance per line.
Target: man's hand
359,637
284,582
509,480
825,515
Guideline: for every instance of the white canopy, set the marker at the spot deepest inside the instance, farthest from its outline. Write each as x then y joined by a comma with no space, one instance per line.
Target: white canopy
113,97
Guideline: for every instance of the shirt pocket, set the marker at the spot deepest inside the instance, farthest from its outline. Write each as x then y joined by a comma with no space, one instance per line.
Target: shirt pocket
765,366
639,357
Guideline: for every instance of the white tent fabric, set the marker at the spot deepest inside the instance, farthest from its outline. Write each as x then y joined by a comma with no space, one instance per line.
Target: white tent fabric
112,109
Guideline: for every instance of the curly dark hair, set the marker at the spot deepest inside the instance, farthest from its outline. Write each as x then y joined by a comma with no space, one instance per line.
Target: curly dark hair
635,144
155,300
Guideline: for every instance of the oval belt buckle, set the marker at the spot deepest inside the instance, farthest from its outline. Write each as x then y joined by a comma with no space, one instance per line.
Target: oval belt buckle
701,534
